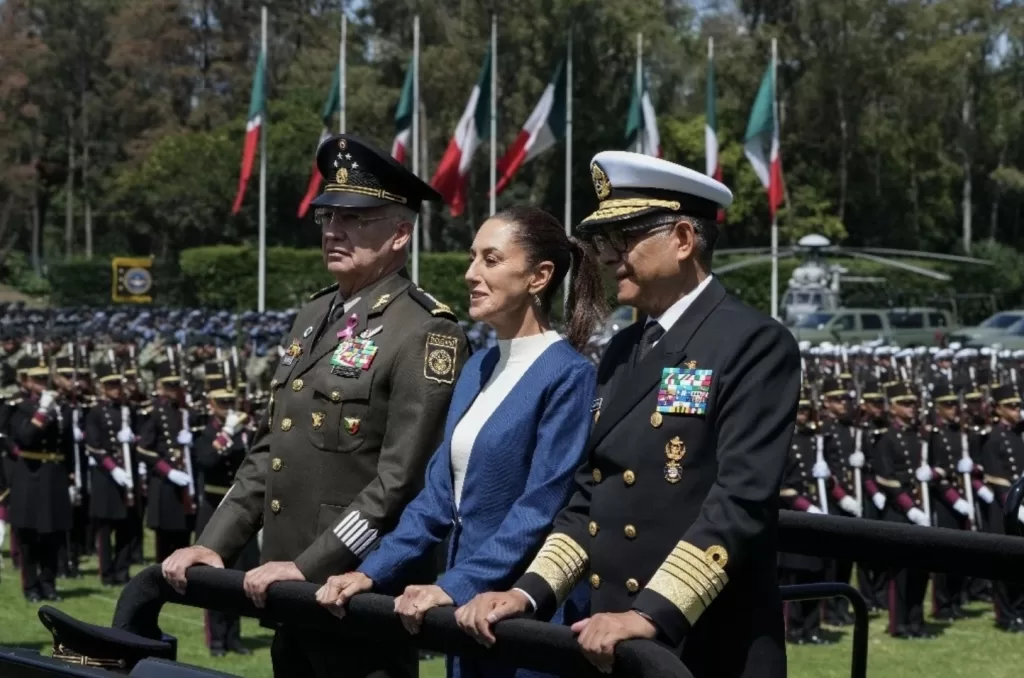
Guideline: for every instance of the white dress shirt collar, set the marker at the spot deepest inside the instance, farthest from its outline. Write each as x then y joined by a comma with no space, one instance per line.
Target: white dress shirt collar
674,312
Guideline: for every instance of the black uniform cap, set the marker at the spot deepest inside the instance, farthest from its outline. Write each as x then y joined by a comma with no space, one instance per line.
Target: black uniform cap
1005,394
85,644
358,174
898,392
944,392
106,373
166,373
832,388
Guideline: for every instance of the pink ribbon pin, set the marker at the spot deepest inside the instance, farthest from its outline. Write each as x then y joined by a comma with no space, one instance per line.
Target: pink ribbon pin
350,327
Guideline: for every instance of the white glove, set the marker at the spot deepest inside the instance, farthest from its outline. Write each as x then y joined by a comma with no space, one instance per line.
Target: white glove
120,476
820,470
184,437
965,465
857,460
850,505
962,507
79,436
230,424
985,494
179,478
1020,513
125,435
47,399
72,492
3,532
814,509
878,499
923,473
919,517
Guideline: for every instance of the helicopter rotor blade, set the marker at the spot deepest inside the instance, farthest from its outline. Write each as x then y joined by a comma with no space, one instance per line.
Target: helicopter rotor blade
764,259
898,264
920,255
742,250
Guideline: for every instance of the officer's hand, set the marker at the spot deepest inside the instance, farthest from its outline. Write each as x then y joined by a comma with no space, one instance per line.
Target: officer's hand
259,580
184,437
125,435
477,616
814,509
179,478
414,602
856,460
850,505
965,465
985,494
79,436
923,474
339,589
820,470
878,499
601,633
47,399
120,476
174,567
230,424
962,507
918,517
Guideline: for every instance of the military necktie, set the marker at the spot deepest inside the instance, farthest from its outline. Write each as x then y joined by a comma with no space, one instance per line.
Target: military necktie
652,333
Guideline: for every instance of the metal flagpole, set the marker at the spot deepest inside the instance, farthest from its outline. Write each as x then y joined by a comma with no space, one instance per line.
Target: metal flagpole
641,131
494,110
568,159
341,69
261,304
775,221
416,140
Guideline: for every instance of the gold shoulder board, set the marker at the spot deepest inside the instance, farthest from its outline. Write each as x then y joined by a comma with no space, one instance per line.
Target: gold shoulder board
429,302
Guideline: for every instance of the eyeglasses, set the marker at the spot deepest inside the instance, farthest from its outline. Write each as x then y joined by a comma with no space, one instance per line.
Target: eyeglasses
620,240
343,221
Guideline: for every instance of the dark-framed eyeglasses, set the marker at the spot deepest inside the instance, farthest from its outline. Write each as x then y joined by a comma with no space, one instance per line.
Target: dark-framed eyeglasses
343,220
620,240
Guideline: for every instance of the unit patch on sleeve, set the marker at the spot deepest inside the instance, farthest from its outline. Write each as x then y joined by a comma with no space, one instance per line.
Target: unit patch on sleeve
439,358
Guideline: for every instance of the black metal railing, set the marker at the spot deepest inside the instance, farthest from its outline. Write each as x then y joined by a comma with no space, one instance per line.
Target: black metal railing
823,590
521,642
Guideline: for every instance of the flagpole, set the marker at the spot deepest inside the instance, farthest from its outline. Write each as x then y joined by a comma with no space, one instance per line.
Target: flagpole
775,221
416,140
568,161
341,69
261,304
494,110
640,87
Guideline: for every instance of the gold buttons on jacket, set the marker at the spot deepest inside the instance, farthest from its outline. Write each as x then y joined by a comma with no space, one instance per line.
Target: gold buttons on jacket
630,532
335,396
656,419
628,477
597,475
275,506
276,464
286,424
593,528
595,581
297,385
632,585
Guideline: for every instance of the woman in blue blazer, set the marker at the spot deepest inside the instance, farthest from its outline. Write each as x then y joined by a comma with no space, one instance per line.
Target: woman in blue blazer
515,432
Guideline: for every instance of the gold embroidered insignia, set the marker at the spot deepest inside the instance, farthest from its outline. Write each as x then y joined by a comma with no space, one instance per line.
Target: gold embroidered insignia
656,419
342,176
602,186
691,364
382,301
675,450
318,420
440,356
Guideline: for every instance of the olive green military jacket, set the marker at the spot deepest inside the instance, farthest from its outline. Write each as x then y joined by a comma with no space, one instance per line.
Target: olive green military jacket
348,431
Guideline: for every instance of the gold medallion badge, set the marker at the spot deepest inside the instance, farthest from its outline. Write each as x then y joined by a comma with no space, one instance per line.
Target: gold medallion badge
318,419
675,450
439,358
691,364
602,186
342,176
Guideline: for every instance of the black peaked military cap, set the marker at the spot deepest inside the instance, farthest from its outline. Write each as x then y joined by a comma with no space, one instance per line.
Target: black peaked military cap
832,388
358,174
899,392
83,644
166,373
944,393
1005,394
106,373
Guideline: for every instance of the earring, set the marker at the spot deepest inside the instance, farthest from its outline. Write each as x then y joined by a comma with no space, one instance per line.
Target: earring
536,300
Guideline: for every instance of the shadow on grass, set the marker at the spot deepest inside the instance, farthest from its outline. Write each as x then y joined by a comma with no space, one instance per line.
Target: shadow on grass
31,645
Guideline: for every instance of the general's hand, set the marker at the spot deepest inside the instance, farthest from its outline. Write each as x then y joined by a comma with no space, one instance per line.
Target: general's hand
601,633
477,616
414,602
257,581
174,567
339,589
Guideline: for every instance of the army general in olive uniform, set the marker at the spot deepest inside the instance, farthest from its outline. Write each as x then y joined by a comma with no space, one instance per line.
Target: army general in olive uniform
356,408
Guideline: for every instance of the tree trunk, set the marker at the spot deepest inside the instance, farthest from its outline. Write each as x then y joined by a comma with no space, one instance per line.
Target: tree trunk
37,267
966,206
85,181
994,213
69,191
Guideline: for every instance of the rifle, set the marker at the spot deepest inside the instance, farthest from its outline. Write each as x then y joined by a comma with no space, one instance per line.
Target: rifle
186,451
926,500
819,441
126,461
965,452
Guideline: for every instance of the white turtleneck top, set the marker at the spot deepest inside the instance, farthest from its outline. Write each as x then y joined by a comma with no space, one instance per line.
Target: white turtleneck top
515,357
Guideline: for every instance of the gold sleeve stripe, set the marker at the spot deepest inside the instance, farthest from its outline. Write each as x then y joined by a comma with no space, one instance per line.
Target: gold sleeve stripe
691,579
996,480
561,562
888,482
3,495
788,492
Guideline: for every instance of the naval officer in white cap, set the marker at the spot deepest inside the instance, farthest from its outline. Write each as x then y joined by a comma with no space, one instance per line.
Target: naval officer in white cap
673,522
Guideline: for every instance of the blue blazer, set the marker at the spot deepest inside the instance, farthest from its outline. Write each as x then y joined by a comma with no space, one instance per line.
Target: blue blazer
520,474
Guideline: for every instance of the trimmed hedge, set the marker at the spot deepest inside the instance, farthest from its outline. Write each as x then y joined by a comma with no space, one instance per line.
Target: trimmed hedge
82,282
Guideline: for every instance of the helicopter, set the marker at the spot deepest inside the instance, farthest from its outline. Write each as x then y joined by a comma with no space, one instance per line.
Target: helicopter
815,284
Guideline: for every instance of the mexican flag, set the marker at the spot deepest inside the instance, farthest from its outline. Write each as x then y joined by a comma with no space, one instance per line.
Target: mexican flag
761,142
450,178
543,129
257,112
331,107
403,120
642,125
713,167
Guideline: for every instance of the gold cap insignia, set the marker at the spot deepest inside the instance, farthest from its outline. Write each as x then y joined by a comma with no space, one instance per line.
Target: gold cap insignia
341,176
602,186
352,425
440,356
342,144
318,419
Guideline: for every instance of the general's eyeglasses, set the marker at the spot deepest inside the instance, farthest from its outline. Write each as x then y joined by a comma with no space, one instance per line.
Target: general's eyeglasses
620,241
342,220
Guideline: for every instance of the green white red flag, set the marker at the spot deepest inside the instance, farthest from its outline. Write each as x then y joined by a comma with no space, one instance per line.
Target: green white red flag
713,167
403,119
642,125
253,125
761,142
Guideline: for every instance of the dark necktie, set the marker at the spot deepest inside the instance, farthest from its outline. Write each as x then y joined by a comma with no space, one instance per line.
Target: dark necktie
652,333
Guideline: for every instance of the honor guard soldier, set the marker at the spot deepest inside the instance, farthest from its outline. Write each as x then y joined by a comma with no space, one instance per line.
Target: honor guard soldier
677,504
110,442
74,392
220,451
40,508
1003,459
357,406
799,492
903,473
165,444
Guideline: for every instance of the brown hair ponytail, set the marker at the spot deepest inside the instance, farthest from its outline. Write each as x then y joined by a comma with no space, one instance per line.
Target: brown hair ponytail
543,238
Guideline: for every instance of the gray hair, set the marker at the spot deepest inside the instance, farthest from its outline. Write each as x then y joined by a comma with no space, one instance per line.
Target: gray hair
705,233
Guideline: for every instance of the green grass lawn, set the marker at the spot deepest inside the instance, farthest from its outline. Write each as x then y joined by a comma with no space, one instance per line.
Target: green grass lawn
973,647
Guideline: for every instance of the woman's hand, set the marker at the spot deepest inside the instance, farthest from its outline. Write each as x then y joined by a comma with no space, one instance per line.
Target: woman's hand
414,602
339,589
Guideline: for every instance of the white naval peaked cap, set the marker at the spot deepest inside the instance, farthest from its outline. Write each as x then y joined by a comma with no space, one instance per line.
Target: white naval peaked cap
944,354
630,185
